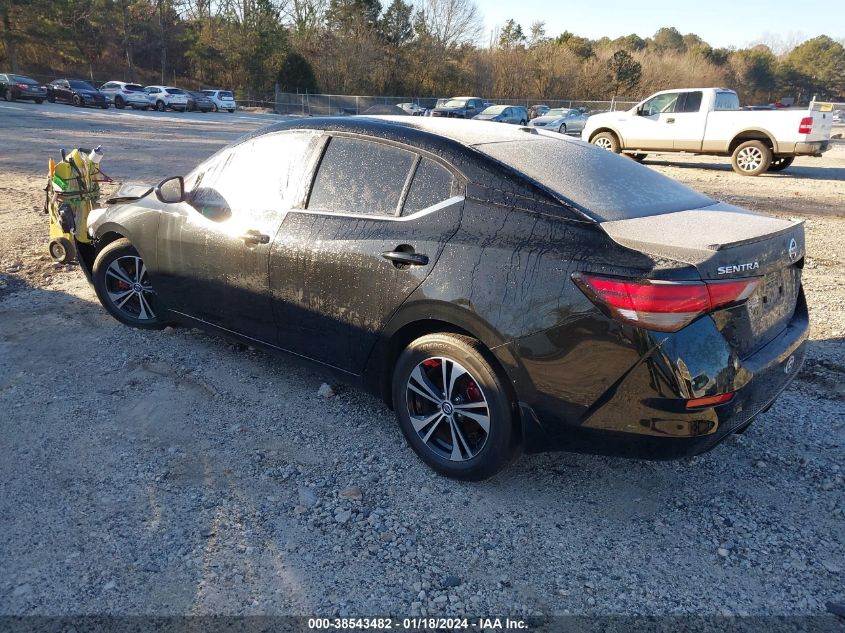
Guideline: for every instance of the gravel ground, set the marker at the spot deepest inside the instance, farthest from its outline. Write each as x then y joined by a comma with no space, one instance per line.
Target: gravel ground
173,472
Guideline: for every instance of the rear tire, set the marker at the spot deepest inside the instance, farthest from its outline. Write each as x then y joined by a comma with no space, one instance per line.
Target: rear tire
77,101
439,429
124,289
751,158
781,163
39,101
8,95
637,157
607,141
160,106
214,108
119,103
51,98
562,128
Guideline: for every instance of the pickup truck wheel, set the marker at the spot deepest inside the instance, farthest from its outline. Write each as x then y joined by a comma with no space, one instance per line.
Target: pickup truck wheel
780,163
751,158
608,141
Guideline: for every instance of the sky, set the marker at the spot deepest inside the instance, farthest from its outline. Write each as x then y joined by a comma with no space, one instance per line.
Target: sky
721,23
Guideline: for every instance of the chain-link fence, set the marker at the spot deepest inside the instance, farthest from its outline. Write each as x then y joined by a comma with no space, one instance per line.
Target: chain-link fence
308,104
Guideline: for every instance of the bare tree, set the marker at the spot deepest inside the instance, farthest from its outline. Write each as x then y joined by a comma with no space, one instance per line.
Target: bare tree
451,22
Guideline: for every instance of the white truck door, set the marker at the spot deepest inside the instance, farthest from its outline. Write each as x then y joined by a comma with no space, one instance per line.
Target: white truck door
690,119
653,126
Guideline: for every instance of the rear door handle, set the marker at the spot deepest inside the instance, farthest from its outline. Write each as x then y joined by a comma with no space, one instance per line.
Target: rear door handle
403,257
670,120
254,237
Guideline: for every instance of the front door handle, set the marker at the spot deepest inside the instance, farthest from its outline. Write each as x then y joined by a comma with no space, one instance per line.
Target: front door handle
254,237
406,258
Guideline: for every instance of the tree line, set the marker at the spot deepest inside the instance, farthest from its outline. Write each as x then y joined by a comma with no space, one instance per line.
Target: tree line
422,48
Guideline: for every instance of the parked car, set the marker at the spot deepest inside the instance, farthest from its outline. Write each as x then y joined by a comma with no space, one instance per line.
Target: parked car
538,110
413,109
459,107
122,94
20,87
839,116
164,97
517,115
563,120
710,121
222,99
76,91
199,101
498,289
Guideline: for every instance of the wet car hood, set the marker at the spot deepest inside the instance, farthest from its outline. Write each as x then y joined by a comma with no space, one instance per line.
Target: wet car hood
130,191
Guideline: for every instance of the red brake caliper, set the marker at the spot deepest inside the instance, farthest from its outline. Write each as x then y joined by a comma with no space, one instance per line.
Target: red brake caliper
473,392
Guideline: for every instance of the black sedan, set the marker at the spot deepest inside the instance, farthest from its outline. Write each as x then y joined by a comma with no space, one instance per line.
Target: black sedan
20,87
198,101
502,289
76,91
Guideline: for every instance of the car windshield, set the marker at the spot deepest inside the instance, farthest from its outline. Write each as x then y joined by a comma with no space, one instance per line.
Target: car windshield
80,85
455,103
558,112
606,186
494,109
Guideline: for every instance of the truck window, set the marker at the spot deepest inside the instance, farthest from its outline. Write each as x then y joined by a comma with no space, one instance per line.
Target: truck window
689,102
660,104
726,101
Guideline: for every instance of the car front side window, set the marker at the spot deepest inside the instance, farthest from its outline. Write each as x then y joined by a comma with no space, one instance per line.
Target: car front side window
257,178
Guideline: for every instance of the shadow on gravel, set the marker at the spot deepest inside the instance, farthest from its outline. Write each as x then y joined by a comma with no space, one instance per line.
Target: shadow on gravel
795,171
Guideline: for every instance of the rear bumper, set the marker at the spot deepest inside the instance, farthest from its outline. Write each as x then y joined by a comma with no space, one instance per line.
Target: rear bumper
637,419
815,148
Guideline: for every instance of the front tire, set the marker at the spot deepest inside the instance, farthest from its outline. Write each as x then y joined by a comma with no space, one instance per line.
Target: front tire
562,128
454,407
780,163
637,157
39,101
77,101
607,141
124,289
8,95
751,158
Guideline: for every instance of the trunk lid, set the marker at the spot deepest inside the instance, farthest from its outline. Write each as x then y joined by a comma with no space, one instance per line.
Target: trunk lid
822,114
725,242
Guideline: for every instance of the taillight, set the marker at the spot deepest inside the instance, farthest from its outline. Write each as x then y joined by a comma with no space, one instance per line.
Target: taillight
21,86
666,306
806,125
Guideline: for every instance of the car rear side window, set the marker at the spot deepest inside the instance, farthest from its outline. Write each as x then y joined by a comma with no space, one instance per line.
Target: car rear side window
359,176
432,184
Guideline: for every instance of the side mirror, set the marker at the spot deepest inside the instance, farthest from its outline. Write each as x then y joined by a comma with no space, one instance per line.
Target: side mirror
171,190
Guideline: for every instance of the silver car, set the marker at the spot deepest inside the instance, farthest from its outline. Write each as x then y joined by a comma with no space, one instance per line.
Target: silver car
563,120
517,115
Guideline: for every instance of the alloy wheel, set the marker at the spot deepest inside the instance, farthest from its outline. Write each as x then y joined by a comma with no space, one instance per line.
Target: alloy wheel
448,409
129,289
749,159
603,143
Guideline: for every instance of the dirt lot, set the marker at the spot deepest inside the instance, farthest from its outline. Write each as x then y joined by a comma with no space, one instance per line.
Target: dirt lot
174,473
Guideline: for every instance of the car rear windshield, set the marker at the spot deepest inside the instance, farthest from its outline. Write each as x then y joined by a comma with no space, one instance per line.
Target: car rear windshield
607,186
133,88
494,109
23,80
175,91
80,85
225,94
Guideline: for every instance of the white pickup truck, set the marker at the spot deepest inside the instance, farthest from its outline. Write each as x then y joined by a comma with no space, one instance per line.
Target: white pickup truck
710,121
